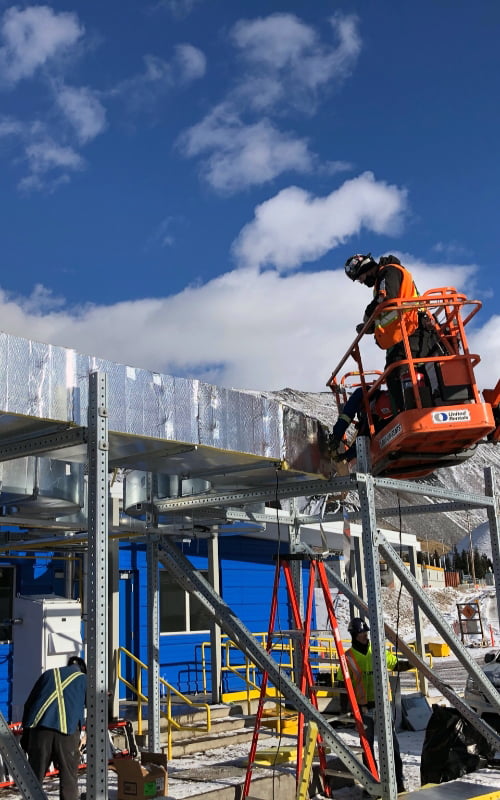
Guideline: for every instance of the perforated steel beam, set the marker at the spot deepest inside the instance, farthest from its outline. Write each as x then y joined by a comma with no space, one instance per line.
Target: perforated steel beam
19,767
153,645
494,522
97,590
19,448
369,536
263,494
427,489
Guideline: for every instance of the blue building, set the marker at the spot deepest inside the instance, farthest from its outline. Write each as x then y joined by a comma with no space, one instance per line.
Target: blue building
246,570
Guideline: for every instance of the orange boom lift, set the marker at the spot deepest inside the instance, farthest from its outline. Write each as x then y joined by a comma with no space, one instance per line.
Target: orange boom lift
444,416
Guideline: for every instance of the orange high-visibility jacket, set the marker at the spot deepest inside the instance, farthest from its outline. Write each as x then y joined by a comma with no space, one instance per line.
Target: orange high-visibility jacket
388,330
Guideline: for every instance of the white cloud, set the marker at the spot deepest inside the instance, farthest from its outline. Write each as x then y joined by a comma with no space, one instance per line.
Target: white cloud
163,234
46,155
426,275
262,331
49,161
50,164
294,227
288,55
243,155
484,341
286,67
451,249
143,90
33,36
83,110
178,8
191,62
277,40
10,127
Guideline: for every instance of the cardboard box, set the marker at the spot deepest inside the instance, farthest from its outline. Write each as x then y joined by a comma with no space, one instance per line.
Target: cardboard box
140,781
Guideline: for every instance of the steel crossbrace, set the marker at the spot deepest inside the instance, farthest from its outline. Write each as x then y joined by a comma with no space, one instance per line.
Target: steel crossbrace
18,764
191,580
449,637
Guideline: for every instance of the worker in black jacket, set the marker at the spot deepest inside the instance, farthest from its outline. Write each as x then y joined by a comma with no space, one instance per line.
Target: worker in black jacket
52,721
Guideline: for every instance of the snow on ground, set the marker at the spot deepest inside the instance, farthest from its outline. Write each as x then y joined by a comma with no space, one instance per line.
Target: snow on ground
410,742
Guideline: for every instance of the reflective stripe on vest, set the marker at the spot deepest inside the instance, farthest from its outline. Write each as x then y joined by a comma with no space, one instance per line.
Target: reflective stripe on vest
388,326
57,696
356,678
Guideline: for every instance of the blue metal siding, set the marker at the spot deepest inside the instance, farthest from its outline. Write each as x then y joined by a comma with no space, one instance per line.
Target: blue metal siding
247,575
6,680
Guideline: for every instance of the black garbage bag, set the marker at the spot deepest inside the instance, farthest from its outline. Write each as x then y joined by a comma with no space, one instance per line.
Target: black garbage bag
452,747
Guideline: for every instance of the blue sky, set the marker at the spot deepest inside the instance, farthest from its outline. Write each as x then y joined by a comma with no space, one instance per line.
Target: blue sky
182,180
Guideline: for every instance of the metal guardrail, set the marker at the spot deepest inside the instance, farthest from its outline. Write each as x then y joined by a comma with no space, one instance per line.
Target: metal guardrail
323,659
170,692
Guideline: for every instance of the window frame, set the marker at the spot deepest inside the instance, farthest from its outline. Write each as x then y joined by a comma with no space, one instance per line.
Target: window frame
186,631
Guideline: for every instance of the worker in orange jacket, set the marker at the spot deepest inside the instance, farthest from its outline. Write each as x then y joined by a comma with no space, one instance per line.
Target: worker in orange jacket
390,281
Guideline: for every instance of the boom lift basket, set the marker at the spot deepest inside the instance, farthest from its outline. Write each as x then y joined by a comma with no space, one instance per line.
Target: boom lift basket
444,416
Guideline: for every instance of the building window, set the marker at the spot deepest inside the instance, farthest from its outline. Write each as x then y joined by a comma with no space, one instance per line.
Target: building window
6,598
180,612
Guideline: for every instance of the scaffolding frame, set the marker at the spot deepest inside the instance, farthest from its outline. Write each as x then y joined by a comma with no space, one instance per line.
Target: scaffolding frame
162,550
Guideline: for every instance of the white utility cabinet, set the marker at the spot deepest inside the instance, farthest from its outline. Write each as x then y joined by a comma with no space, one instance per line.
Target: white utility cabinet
46,633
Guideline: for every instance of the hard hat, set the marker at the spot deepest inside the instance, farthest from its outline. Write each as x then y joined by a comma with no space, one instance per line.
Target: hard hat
357,625
382,406
357,265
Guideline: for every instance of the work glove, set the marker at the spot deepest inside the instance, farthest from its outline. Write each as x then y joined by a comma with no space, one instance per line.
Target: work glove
360,327
336,447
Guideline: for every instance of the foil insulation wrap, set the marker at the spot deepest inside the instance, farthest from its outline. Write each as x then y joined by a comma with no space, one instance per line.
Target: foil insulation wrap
49,382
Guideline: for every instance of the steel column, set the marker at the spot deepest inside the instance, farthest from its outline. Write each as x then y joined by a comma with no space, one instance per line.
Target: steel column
383,721
153,644
417,615
114,620
215,632
97,590
493,519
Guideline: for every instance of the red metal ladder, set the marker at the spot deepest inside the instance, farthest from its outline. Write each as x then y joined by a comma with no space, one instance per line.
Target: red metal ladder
303,628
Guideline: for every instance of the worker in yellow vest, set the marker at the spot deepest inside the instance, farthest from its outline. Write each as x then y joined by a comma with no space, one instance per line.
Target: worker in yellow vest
360,663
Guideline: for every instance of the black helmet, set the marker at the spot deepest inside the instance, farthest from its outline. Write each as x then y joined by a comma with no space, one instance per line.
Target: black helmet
357,265
357,625
76,661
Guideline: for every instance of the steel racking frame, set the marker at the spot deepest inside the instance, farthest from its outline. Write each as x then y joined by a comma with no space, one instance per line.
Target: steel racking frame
231,505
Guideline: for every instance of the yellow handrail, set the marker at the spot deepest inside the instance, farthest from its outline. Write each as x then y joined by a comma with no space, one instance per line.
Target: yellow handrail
172,723
323,657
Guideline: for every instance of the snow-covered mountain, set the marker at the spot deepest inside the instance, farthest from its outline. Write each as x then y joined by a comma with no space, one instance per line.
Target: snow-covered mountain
448,527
